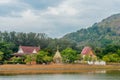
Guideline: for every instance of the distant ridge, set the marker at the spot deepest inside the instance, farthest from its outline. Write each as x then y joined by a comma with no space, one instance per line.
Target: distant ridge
100,34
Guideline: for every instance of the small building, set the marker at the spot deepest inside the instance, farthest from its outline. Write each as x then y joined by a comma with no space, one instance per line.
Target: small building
87,51
57,57
88,54
26,50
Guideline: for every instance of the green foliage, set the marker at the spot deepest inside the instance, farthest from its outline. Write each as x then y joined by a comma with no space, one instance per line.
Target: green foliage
63,43
6,48
103,37
118,52
1,55
99,52
90,58
42,57
30,58
111,53
16,60
87,58
47,59
110,49
29,39
111,58
100,34
69,55
106,58
79,57
95,58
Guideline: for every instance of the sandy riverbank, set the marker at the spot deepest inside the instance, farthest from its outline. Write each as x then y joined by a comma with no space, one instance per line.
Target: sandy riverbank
53,69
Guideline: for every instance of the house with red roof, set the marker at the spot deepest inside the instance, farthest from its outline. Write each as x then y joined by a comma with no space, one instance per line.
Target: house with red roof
87,51
26,50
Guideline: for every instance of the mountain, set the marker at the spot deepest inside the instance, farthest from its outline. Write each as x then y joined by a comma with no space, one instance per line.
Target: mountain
100,34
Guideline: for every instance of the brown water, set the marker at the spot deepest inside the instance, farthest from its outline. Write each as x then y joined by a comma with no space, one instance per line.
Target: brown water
98,75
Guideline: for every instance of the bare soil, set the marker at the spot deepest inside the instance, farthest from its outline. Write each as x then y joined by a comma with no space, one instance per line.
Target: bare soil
53,68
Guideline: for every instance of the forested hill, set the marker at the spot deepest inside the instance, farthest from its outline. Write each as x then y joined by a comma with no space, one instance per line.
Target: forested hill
100,34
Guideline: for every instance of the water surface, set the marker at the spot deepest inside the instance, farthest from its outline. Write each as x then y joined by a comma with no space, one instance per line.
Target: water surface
110,75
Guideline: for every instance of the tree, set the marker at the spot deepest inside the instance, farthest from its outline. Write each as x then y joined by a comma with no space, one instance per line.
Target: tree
63,43
6,48
42,57
98,52
79,57
69,55
106,58
111,49
114,58
1,55
47,59
16,60
118,52
87,58
20,38
28,59
111,57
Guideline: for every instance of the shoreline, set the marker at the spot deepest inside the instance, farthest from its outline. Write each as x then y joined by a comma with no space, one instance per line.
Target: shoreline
54,69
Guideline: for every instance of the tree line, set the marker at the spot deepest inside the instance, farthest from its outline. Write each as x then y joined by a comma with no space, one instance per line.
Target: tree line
10,41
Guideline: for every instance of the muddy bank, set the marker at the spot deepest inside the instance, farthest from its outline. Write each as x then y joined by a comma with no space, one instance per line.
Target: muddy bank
54,69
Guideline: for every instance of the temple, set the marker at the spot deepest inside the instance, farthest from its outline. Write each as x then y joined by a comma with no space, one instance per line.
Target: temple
57,57
87,51
26,50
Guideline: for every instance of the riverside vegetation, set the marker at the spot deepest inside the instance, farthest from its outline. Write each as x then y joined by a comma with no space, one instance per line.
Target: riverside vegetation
103,37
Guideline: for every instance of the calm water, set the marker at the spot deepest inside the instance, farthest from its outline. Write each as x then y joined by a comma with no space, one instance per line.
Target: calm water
111,75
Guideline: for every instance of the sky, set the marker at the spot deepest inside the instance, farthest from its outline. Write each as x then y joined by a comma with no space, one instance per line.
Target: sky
54,17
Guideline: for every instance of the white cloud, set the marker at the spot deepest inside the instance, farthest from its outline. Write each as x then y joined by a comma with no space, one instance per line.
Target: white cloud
4,1
62,10
67,16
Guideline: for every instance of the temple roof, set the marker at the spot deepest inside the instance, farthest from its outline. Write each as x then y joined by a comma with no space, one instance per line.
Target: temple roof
87,51
29,49
57,55
25,50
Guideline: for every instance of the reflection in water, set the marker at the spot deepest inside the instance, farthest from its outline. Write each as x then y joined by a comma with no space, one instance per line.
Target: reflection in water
100,71
97,75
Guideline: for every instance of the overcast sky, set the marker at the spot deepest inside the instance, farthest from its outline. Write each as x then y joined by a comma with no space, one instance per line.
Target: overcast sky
54,17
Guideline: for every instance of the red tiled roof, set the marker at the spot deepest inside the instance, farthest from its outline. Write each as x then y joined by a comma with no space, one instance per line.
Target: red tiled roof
86,50
29,49
26,50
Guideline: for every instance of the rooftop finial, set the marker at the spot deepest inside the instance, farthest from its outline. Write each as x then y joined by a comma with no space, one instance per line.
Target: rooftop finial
57,48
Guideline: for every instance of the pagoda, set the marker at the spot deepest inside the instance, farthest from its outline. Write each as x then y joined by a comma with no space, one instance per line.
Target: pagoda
57,57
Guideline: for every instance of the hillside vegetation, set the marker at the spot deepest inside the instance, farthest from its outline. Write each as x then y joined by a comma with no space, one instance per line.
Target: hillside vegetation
102,37
106,32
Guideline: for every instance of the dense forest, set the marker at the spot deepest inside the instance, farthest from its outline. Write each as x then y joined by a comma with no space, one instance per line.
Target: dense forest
102,37
10,41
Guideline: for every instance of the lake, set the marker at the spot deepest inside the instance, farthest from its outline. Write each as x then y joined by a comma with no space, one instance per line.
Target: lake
98,75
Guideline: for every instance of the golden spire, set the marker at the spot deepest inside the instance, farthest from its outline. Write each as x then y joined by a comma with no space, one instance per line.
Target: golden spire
57,48
57,57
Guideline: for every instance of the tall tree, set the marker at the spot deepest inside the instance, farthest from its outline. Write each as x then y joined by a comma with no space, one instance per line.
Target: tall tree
69,55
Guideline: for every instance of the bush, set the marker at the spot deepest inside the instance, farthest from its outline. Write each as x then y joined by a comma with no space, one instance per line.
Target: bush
111,57
12,62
